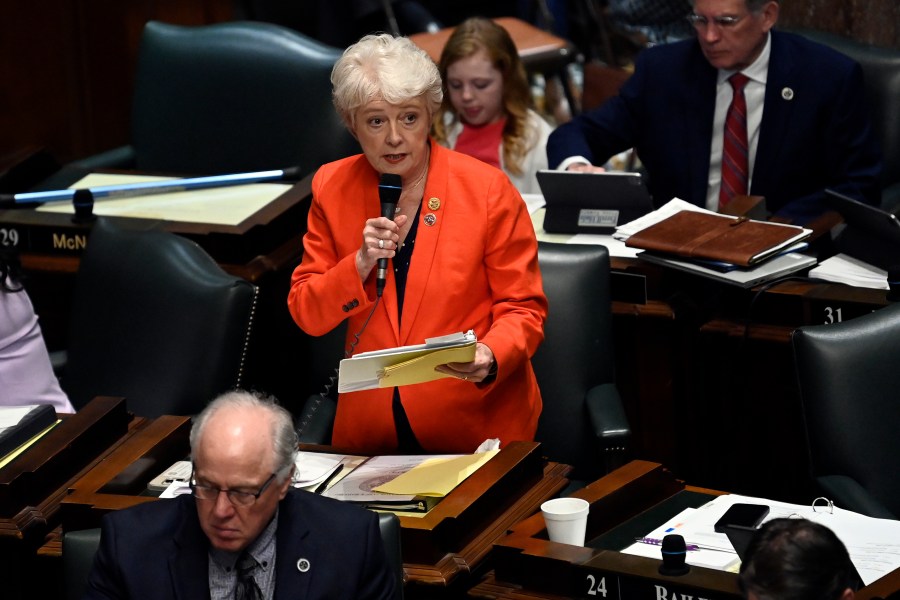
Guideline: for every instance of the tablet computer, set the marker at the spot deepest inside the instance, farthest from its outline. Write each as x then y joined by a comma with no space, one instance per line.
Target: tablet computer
872,235
592,202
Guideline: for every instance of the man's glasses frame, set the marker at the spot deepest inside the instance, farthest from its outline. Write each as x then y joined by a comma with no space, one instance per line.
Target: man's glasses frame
724,22
236,497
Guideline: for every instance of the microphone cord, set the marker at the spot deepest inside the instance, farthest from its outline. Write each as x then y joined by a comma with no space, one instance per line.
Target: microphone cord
332,379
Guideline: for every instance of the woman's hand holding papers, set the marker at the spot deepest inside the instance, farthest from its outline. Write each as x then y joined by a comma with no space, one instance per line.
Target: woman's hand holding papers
476,371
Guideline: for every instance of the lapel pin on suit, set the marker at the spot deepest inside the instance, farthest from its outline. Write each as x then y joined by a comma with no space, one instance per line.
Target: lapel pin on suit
430,219
787,93
303,565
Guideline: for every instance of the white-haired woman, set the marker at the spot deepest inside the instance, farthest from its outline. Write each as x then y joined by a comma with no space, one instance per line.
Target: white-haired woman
464,256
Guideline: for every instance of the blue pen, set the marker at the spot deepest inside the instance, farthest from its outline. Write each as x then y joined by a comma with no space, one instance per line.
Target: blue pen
688,547
144,188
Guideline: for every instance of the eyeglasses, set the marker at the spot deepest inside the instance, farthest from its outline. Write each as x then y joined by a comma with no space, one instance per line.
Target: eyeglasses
236,497
701,22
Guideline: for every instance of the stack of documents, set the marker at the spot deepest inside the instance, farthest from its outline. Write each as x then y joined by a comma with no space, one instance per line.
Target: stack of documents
873,544
842,268
405,365
406,483
734,250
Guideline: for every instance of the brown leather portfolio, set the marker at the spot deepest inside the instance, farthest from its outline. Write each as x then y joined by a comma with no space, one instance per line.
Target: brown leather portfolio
735,240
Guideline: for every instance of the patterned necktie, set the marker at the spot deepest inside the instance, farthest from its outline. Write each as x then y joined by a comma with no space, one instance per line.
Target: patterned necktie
735,166
246,588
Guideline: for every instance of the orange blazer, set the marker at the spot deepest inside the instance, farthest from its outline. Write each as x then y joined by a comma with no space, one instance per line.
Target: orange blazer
474,267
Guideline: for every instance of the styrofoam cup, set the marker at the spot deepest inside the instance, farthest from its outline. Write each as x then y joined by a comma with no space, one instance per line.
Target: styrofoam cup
566,519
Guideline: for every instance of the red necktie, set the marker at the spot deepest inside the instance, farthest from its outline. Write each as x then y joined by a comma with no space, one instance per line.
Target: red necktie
735,167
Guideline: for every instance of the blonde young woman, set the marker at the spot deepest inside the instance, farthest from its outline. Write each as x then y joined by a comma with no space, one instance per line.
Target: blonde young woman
486,108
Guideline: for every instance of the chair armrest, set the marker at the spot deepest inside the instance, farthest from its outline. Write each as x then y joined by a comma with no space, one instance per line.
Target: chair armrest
316,420
608,419
58,361
848,494
122,157
609,423
890,198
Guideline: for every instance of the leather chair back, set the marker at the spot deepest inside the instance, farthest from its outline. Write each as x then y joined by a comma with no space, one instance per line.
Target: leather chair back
389,524
849,378
78,550
234,97
155,320
577,352
881,71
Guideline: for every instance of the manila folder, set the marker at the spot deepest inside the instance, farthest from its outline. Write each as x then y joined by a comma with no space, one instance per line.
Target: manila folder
405,365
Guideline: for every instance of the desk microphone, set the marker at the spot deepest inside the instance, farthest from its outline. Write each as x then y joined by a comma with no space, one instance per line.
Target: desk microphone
389,189
674,553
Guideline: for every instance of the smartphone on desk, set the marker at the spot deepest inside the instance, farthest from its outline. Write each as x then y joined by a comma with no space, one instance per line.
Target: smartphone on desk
743,515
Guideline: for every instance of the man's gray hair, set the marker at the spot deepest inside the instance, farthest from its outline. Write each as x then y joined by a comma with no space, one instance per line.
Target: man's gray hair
283,434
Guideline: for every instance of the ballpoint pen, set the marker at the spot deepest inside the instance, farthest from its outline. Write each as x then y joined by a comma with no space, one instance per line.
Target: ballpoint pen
688,547
324,485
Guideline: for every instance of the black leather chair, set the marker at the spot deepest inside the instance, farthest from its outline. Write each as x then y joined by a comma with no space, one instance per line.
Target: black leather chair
156,320
230,97
583,422
389,524
881,70
849,377
79,548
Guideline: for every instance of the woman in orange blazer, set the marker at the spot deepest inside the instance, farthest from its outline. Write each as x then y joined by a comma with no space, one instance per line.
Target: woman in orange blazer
463,256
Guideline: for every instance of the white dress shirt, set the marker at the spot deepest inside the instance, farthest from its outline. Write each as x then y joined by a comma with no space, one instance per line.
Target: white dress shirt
755,95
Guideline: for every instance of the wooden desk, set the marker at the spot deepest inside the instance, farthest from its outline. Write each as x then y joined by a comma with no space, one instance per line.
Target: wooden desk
440,550
33,486
528,565
537,48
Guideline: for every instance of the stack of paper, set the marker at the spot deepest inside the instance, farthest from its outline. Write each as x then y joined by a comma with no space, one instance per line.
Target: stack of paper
842,268
405,365
694,249
873,544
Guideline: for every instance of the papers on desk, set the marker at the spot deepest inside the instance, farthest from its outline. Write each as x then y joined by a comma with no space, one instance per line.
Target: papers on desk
406,483
873,544
405,365
842,268
229,205
22,426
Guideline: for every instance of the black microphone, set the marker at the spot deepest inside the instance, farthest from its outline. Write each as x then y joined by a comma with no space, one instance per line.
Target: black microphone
389,188
674,553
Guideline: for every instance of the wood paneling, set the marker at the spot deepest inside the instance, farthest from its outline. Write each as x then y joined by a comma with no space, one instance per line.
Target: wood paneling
69,69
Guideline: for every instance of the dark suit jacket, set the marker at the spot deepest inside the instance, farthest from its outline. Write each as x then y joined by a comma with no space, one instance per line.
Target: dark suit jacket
815,131
158,551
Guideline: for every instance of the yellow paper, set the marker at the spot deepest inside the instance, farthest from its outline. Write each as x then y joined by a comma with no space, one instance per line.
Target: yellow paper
9,457
436,477
421,368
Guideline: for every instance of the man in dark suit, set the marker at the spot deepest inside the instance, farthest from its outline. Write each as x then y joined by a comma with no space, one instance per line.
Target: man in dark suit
807,124
245,533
